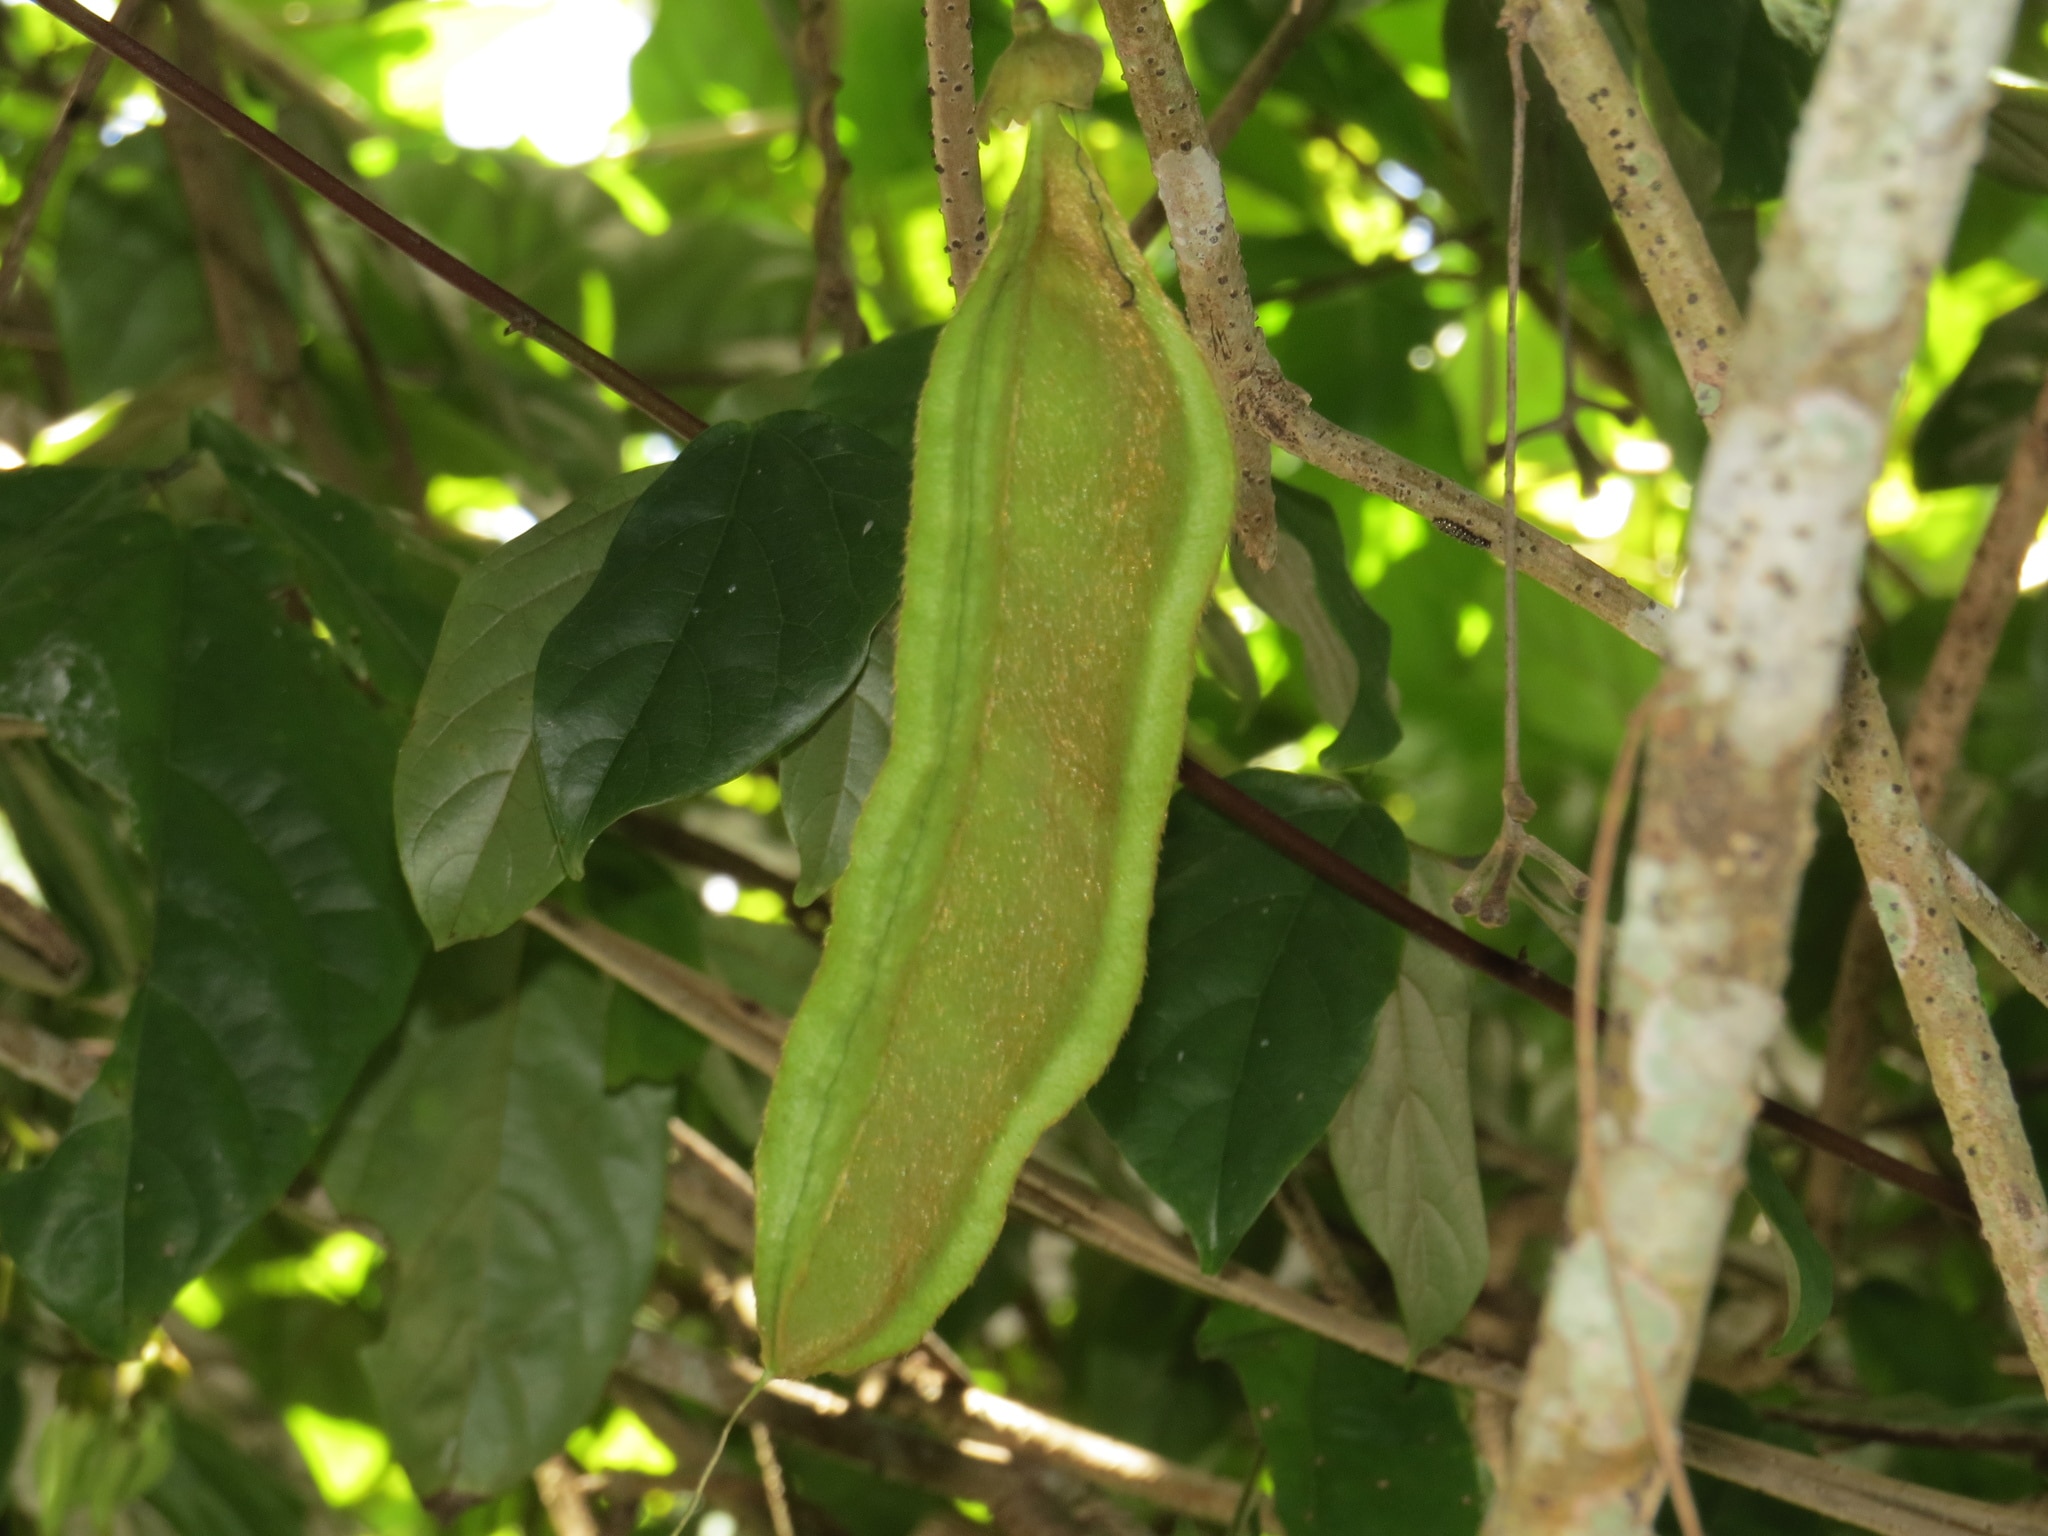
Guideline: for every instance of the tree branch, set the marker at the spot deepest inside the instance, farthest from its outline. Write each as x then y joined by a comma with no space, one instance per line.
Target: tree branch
1881,1504
1677,267
956,152
1737,735
1941,715
520,316
835,301
51,1062
1204,243
1293,28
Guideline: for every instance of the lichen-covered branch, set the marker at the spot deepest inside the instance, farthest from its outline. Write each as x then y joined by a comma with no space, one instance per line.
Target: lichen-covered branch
2009,941
1260,71
1737,736
1205,243
1941,716
956,155
1663,232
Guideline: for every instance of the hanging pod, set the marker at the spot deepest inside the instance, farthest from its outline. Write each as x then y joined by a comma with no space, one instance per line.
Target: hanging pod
1072,496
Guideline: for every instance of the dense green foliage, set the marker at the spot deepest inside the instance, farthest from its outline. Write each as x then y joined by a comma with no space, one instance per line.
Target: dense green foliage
371,1189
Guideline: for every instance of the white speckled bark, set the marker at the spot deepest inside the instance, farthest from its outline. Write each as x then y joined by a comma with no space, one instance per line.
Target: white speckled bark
1891,131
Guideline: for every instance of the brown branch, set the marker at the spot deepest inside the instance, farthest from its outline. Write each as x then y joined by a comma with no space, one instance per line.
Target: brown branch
1335,1277
520,316
1957,1437
834,299
560,1487
1941,715
1331,867
1015,1495
71,111
956,151
63,1067
42,938
1878,1503
1293,28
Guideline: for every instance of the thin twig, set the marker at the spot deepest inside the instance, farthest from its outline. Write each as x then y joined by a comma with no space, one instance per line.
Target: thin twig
520,316
1514,972
772,1481
1586,1064
835,300
35,191
63,1067
1335,1277
956,149
560,1487
1878,1503
1294,27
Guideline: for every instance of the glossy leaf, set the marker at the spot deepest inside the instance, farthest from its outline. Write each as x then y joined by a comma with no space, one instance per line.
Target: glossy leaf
283,949
1261,988
826,776
378,586
876,388
1810,1272
474,832
521,1202
1345,645
1402,1143
733,608
1354,1444
1968,434
1740,83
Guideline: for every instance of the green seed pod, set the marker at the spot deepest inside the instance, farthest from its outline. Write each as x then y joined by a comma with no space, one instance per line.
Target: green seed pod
1073,492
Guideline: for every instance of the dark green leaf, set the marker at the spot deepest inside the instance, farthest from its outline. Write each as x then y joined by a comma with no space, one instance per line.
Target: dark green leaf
733,608
521,1203
826,776
1740,82
877,388
1905,1342
474,833
1562,200
1345,645
378,586
212,1489
1810,1275
283,949
1354,1444
131,303
1967,435
1260,992
1403,1145
639,896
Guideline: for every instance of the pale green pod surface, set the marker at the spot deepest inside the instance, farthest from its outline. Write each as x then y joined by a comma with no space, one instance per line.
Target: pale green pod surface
1073,493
